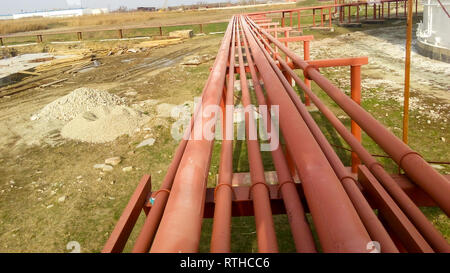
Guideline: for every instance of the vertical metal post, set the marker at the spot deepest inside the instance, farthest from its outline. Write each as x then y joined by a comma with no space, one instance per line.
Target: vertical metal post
389,9
321,17
355,83
306,58
298,21
329,17
120,34
160,31
282,19
396,8
1,41
349,13
79,36
366,10
374,11
314,17
201,28
357,13
407,72
290,18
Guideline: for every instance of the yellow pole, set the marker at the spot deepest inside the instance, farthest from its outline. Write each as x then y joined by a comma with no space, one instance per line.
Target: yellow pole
407,72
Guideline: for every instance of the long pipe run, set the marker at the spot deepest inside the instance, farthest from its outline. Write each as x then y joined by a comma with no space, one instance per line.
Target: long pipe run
410,161
327,200
186,201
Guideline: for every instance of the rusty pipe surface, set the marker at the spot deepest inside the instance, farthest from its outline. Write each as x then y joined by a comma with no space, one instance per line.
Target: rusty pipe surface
265,229
410,161
148,230
301,232
327,200
416,216
221,231
186,201
371,222
151,223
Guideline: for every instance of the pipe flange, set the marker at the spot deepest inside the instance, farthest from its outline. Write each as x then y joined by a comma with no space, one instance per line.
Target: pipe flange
307,69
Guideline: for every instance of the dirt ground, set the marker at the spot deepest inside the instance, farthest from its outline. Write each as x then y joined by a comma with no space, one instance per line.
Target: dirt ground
31,218
37,170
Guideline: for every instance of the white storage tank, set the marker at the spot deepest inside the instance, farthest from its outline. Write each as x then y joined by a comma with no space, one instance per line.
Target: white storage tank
433,33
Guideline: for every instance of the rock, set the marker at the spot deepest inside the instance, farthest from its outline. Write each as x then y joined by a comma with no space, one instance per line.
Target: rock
127,169
62,199
50,206
131,152
195,60
79,177
99,166
147,142
107,168
188,33
437,166
113,160
443,139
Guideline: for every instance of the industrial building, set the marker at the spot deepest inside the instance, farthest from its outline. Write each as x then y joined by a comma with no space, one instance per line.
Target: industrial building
55,13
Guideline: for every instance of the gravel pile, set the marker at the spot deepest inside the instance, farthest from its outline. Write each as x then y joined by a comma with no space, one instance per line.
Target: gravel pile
77,102
103,124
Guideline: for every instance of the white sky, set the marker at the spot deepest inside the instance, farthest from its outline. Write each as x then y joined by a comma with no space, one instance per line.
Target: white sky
8,6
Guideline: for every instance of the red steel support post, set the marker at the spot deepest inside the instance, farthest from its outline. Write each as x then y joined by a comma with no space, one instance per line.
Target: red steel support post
355,79
321,17
329,17
290,18
314,17
306,58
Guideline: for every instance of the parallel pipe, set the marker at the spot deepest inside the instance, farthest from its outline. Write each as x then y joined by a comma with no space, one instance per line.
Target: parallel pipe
265,229
186,201
371,222
148,230
327,200
221,232
301,232
415,215
410,161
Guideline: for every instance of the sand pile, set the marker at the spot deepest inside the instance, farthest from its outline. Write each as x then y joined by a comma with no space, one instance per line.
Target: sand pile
77,102
89,115
103,124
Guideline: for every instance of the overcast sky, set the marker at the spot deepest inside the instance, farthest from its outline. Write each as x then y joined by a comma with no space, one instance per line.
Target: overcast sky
14,6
